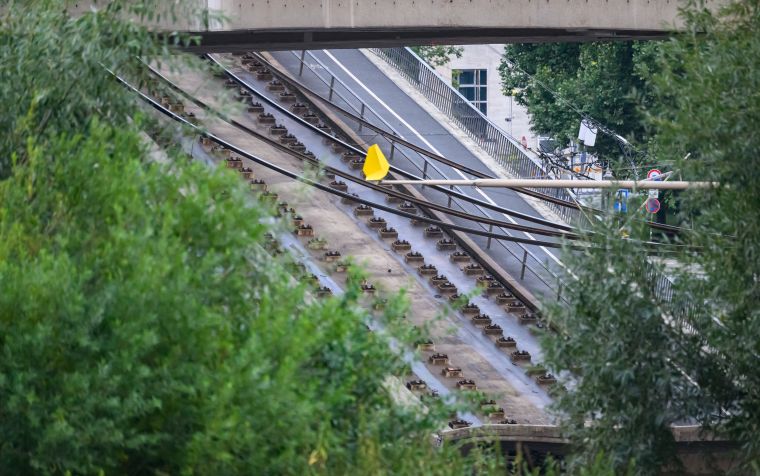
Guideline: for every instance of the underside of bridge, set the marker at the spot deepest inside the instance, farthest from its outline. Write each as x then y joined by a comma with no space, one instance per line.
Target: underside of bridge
293,39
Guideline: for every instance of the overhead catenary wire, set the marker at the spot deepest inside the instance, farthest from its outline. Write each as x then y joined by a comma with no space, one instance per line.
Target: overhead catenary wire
444,225
287,80
156,105
393,137
394,169
390,136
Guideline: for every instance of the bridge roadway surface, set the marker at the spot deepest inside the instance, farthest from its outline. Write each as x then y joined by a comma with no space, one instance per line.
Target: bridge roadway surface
418,126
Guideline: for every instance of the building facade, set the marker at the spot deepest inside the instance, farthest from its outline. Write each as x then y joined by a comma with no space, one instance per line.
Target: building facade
476,75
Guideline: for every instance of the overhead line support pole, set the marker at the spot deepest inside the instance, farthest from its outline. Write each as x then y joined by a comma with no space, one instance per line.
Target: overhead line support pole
332,86
540,183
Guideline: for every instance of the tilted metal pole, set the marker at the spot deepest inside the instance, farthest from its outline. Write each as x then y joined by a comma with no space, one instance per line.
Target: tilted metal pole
542,183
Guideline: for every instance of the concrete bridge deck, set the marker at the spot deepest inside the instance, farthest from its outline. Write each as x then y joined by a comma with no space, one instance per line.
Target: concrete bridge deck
311,24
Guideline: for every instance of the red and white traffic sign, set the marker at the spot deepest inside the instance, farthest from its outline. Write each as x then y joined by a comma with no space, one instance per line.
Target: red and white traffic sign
653,174
652,205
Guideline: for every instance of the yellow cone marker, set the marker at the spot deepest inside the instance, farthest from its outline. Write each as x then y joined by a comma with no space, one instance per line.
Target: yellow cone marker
375,164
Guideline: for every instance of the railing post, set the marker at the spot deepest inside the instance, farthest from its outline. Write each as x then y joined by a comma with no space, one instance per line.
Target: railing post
490,230
300,70
332,85
361,116
559,289
424,171
451,187
525,258
393,149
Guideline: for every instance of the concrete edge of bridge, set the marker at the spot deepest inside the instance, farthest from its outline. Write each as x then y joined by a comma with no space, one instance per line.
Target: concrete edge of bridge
279,39
553,434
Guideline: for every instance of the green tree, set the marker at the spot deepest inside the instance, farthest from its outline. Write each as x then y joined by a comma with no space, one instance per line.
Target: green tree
716,109
54,71
137,336
438,55
143,328
561,82
697,349
615,342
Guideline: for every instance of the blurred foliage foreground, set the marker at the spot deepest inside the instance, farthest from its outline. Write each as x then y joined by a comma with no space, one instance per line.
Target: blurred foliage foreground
143,329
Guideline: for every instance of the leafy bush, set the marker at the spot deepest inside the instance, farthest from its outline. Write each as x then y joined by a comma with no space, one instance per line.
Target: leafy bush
143,329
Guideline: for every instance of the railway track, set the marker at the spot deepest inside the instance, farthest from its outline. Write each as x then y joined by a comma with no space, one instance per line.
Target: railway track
440,268
517,256
476,337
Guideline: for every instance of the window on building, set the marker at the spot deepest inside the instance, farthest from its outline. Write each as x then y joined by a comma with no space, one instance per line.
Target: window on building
473,85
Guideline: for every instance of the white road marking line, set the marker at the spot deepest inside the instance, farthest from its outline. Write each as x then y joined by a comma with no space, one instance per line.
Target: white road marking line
430,146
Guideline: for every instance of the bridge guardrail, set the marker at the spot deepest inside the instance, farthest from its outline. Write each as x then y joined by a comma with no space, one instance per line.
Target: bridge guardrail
495,141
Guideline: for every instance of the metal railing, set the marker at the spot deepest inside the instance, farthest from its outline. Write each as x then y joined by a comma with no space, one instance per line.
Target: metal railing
337,91
664,290
496,142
